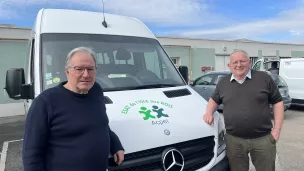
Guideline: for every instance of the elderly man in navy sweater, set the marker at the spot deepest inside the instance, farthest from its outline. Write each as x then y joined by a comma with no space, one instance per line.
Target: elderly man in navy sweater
67,126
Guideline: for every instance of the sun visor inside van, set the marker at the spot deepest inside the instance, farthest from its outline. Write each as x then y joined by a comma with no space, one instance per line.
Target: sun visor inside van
123,54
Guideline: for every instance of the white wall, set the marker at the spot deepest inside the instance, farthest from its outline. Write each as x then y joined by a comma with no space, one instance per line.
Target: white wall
268,49
14,33
221,62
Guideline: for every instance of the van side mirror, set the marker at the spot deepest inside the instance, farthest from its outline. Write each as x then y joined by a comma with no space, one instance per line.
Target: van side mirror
15,85
184,72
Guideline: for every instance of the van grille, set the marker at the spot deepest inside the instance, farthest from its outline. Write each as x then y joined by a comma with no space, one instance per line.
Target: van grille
177,93
197,153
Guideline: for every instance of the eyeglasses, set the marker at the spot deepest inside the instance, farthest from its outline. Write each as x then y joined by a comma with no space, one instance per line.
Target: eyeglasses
80,70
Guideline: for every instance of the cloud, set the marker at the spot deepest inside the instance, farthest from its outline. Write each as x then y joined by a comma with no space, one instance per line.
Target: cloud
296,32
165,12
289,21
162,13
5,13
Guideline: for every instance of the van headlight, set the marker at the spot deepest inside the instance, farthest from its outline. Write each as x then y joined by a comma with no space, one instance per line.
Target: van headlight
221,139
283,91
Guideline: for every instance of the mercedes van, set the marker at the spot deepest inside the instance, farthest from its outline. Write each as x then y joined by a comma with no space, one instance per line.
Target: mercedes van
157,116
291,70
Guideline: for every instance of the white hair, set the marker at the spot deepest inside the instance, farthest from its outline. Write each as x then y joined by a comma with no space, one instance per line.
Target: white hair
80,49
240,50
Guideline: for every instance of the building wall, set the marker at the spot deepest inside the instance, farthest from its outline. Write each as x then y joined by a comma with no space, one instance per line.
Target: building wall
181,52
202,57
13,55
12,32
193,58
297,54
224,46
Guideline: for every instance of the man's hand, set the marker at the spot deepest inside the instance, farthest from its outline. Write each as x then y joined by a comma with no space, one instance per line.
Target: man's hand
211,108
119,157
276,134
208,118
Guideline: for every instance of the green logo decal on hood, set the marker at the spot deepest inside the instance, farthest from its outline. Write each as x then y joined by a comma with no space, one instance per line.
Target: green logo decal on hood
147,112
155,112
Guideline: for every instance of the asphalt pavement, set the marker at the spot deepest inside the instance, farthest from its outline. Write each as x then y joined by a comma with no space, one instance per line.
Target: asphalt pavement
290,146
290,149
11,128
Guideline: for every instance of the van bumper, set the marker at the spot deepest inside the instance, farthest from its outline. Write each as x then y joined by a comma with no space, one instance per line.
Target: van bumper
223,165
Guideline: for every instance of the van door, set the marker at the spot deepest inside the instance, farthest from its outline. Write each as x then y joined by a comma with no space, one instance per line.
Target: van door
292,72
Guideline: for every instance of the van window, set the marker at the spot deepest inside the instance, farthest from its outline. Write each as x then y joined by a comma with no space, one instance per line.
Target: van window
102,58
122,61
204,80
153,63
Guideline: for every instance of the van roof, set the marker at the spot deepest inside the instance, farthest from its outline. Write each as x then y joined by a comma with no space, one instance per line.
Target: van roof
292,59
76,21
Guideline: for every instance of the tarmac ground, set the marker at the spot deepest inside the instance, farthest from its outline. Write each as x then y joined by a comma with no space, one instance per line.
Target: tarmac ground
290,148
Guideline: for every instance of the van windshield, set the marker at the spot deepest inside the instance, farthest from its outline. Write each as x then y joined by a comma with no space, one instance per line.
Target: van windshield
123,62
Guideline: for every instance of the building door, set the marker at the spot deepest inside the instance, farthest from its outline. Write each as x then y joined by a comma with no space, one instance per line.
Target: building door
221,62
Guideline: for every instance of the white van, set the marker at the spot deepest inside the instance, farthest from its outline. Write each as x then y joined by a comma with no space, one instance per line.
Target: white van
291,70
157,116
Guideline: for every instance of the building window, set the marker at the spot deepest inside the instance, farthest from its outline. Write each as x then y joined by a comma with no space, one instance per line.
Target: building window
254,59
176,61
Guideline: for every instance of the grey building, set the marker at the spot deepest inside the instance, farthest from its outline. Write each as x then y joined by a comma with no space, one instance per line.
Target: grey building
13,54
200,55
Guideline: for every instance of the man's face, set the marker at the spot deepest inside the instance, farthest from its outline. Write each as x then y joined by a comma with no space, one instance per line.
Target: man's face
81,72
239,64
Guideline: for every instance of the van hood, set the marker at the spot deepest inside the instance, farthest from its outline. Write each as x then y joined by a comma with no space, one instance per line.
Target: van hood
148,118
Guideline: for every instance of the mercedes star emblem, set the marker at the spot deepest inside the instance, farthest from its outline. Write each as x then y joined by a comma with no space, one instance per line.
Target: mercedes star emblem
173,160
167,132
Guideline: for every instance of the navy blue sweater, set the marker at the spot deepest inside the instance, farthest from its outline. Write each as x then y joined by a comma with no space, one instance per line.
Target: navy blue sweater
66,131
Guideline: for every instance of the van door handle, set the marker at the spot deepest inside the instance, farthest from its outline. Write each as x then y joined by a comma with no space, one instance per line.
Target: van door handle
204,88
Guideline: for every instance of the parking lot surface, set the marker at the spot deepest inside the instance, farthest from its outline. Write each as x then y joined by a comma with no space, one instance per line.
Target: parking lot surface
290,148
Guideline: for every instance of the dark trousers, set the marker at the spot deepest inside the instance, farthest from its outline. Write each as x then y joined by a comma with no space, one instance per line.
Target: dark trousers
262,152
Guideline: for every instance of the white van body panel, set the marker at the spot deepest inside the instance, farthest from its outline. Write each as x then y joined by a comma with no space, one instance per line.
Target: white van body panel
71,21
184,121
185,113
292,71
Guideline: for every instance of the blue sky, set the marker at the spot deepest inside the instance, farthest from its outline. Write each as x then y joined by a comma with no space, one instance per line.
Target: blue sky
263,20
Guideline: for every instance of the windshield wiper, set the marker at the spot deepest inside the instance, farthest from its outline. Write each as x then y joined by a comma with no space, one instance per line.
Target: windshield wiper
148,86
